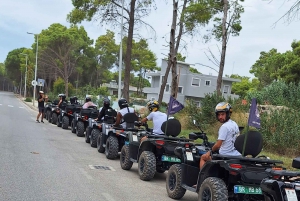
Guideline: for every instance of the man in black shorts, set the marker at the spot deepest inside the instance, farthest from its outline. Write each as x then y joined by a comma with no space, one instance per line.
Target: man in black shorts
41,106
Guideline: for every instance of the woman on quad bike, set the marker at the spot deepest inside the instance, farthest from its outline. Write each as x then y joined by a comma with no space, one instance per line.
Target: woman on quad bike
227,134
88,103
156,116
106,106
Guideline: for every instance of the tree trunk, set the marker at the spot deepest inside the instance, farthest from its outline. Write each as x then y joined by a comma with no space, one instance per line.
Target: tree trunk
224,43
173,52
128,51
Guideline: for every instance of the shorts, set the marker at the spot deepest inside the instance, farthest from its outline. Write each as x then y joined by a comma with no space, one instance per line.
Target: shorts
41,109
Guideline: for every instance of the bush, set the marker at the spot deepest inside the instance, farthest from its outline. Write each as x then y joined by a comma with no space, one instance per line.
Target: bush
59,87
28,100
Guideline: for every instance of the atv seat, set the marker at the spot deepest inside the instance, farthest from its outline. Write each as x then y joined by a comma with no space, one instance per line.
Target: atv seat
253,146
171,127
109,117
130,118
89,112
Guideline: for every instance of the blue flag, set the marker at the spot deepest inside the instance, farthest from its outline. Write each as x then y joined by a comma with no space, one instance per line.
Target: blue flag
254,119
174,106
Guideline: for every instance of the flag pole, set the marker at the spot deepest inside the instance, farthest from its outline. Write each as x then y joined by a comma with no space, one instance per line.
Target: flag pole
245,140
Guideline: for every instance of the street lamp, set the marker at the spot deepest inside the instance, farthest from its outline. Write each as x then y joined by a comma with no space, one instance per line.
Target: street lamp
120,57
35,71
26,55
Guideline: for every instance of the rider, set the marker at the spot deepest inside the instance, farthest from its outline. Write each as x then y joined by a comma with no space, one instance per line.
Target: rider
156,116
88,103
124,109
62,98
73,100
106,106
227,135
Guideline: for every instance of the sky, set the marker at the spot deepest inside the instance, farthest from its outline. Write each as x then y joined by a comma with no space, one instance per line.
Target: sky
17,17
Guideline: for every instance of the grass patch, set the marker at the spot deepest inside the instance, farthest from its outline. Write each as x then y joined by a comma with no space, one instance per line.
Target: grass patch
28,100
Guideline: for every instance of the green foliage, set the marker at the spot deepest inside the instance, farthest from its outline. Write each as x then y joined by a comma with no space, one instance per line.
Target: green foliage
194,70
2,69
13,65
241,88
180,57
59,87
280,131
28,99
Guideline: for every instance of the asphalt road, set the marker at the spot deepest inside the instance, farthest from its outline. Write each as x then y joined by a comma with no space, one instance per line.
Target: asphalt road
43,162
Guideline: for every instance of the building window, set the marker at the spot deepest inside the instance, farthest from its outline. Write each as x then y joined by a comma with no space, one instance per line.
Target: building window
167,87
180,90
197,103
207,82
162,78
226,89
196,82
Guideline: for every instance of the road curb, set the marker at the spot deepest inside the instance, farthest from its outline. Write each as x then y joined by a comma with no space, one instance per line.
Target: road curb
28,104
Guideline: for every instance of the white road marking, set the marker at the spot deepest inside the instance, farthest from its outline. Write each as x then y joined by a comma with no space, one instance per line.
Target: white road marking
86,174
108,197
10,106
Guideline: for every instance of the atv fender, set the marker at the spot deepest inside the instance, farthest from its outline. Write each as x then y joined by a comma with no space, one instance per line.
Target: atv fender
145,146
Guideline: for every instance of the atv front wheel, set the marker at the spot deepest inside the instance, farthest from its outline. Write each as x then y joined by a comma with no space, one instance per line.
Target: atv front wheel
73,130
80,129
48,114
94,136
125,162
54,118
213,188
147,165
87,135
112,147
100,147
65,122
173,182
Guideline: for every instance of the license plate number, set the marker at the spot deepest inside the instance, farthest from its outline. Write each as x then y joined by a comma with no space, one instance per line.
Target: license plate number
170,159
189,156
291,195
247,189
134,138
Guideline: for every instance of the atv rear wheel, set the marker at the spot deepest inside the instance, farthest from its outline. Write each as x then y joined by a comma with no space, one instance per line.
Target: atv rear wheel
112,147
94,136
87,135
54,118
80,129
73,130
213,188
65,122
48,114
58,121
125,162
100,147
173,182
147,165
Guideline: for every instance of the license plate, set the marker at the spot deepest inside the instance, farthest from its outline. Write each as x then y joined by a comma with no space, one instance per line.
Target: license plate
170,159
247,189
291,194
134,138
189,156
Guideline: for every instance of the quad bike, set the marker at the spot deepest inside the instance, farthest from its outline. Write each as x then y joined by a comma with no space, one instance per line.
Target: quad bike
76,115
49,108
81,119
111,140
156,152
94,128
233,178
282,185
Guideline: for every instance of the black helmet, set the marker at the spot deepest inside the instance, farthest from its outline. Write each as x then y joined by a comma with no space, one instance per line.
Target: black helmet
88,99
123,103
223,107
73,99
106,102
63,96
153,106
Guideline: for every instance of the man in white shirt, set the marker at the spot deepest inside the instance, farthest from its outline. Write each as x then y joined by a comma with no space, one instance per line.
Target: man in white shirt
227,135
156,116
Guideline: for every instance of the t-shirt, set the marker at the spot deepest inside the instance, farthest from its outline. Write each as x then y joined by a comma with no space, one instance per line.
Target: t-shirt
41,103
228,132
102,112
88,104
123,112
158,119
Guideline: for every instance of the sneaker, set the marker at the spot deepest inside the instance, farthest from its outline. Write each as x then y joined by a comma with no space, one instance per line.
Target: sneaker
37,121
42,121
